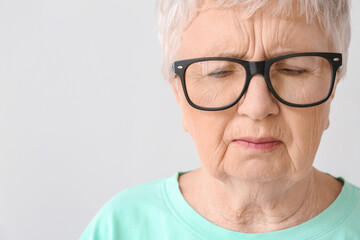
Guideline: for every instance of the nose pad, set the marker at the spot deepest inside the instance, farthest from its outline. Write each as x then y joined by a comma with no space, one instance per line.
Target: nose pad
257,68
258,102
258,86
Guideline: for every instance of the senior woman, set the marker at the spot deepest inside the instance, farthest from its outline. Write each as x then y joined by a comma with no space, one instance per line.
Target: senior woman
254,80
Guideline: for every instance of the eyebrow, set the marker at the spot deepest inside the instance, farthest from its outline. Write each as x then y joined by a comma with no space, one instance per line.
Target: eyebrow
228,55
233,55
242,56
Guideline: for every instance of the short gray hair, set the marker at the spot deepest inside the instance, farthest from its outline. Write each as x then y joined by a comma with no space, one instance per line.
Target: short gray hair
176,15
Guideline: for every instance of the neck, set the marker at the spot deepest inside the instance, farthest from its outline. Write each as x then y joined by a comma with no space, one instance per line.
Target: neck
255,207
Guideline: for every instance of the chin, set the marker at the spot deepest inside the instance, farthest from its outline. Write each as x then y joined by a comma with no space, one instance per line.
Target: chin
256,170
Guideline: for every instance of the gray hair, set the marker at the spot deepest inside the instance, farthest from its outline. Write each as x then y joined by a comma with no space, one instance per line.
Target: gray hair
176,15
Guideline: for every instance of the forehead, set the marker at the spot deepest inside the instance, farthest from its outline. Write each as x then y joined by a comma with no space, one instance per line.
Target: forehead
228,32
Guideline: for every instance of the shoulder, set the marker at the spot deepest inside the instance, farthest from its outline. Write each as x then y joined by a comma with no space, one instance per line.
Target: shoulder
139,198
355,189
349,224
141,194
354,203
352,192
122,214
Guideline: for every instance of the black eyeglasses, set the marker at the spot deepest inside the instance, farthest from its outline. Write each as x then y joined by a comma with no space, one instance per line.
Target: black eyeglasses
296,80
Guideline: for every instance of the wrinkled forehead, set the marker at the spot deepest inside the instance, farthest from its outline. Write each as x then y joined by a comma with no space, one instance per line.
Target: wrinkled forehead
238,32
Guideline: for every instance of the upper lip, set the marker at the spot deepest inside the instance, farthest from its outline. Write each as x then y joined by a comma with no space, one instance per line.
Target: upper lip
258,139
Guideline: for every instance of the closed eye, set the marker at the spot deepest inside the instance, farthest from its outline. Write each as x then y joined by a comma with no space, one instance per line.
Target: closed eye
220,74
291,72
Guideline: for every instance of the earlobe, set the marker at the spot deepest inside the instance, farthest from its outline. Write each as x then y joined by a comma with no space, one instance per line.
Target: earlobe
184,125
327,124
337,80
175,84
176,88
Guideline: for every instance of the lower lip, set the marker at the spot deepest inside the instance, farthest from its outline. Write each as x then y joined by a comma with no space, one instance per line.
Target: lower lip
260,147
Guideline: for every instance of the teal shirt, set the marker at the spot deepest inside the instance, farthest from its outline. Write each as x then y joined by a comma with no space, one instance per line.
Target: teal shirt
158,211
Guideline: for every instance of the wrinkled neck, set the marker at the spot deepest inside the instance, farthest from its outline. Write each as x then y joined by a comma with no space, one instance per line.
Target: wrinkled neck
255,207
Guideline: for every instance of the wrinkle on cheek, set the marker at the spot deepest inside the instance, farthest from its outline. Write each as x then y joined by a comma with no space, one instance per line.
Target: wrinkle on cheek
219,156
207,131
211,145
319,124
297,149
217,146
306,135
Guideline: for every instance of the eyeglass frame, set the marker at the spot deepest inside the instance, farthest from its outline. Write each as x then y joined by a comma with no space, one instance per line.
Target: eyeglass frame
258,67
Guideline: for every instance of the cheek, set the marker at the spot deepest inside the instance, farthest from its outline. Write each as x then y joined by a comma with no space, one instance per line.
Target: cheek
306,127
207,131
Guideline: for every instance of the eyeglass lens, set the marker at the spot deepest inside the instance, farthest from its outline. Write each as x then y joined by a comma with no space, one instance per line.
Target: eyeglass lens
297,80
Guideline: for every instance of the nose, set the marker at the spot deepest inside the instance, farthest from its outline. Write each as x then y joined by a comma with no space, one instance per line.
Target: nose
258,102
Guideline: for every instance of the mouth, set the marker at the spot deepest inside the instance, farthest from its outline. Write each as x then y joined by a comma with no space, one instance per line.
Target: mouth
263,144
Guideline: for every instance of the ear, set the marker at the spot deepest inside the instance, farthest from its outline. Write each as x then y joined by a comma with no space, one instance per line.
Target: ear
339,76
184,124
177,89
327,124
175,83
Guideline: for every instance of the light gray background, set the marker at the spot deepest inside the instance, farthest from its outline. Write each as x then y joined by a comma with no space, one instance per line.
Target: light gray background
85,113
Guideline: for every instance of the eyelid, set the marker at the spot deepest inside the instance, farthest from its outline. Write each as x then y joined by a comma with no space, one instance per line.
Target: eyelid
288,66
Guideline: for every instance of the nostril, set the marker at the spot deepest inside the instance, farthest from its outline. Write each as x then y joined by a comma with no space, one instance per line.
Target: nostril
258,104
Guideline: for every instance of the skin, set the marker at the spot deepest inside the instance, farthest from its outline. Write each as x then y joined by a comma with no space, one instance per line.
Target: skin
253,191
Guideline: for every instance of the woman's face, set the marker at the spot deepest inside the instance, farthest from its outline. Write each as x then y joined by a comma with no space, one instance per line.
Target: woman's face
259,139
